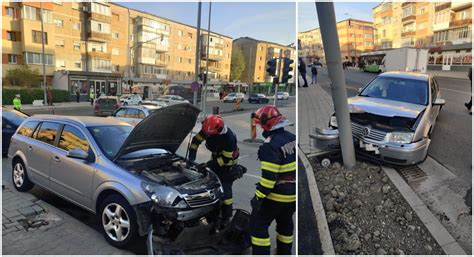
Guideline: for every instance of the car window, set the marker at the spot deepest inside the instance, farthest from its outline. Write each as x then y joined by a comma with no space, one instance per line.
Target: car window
398,89
121,113
47,132
141,114
110,138
28,129
15,118
72,138
132,113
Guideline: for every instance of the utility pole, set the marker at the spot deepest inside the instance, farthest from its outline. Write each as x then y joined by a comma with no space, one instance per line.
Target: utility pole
45,86
332,49
207,59
198,51
278,78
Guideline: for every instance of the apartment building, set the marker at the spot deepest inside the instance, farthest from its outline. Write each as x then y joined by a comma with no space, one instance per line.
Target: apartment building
311,45
108,47
256,54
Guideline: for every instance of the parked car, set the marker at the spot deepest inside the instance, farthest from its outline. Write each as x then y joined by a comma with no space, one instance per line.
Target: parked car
134,114
258,98
158,103
11,119
132,99
172,99
392,118
106,105
232,97
283,96
130,177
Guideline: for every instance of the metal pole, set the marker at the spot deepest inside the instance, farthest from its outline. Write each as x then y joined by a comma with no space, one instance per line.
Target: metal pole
198,50
207,60
129,54
278,76
332,50
45,86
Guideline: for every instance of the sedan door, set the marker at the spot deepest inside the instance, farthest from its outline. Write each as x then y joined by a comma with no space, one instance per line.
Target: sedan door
72,177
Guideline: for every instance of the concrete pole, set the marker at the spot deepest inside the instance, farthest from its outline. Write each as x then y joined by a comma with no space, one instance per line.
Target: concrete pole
278,75
198,51
45,86
207,60
332,51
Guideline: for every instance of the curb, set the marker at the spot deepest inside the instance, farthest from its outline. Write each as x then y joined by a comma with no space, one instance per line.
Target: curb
436,229
324,235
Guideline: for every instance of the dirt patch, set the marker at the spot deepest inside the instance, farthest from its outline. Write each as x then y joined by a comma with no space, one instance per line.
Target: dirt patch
367,215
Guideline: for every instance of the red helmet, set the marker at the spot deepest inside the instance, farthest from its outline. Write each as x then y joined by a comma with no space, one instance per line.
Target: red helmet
268,116
212,125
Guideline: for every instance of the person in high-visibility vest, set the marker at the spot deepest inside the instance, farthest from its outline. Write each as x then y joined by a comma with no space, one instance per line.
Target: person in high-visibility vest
91,96
17,102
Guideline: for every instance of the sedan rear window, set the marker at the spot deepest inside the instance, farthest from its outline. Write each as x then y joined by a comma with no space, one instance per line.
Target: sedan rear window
106,101
398,89
47,132
110,138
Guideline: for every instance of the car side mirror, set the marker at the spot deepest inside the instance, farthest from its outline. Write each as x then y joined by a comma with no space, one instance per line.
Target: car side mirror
77,153
439,102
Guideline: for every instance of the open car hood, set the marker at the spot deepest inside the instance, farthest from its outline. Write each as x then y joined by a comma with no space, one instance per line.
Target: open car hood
166,128
384,107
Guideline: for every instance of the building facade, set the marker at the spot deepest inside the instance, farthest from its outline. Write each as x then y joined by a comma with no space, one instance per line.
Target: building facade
108,48
311,45
257,53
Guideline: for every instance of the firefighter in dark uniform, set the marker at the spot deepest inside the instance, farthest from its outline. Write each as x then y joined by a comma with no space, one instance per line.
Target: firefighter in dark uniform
222,142
275,196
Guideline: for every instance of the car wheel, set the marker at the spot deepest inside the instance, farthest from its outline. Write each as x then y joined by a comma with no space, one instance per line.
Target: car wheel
20,177
118,221
139,103
125,103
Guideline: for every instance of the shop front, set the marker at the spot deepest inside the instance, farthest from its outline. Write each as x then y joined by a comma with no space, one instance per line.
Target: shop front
450,58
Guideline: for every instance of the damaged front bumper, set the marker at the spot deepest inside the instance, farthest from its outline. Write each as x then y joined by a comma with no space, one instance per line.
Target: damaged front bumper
398,154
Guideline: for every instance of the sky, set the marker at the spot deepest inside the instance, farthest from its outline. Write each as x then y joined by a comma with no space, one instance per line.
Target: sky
307,18
274,22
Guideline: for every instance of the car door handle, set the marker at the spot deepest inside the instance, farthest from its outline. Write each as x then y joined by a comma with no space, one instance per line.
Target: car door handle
56,159
30,148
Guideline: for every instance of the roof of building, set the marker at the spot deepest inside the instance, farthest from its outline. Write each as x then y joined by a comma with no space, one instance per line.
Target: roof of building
356,20
263,41
161,17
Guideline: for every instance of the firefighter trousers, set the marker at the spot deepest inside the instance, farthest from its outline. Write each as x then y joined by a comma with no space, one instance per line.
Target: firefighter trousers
282,213
228,200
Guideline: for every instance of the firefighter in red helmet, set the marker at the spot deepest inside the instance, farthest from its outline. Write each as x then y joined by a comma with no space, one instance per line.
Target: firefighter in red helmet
275,195
222,142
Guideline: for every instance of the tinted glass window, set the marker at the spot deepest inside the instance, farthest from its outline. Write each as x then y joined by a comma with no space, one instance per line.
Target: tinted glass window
14,117
110,138
132,113
106,101
47,132
398,89
141,114
72,138
28,129
121,113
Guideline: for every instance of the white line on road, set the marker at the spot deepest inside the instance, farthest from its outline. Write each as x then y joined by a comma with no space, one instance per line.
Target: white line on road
251,175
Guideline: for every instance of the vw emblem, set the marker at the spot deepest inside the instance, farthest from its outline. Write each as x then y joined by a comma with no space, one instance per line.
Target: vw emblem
365,132
212,195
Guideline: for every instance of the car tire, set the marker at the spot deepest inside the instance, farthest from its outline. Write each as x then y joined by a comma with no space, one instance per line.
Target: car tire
125,103
20,179
124,213
140,103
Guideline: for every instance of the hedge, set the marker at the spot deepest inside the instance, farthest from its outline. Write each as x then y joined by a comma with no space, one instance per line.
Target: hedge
30,94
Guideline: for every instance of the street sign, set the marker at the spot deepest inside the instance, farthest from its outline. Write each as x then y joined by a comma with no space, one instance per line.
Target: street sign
194,86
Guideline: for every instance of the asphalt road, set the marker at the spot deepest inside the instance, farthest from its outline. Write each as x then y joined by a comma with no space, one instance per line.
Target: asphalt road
451,139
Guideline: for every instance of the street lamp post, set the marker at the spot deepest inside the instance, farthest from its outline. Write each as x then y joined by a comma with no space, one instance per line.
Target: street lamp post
198,51
43,57
207,60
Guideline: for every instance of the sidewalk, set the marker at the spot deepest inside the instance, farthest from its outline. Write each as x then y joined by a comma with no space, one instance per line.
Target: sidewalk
65,105
448,74
315,109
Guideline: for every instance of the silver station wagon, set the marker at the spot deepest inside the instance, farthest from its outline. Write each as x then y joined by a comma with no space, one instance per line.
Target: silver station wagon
392,118
129,176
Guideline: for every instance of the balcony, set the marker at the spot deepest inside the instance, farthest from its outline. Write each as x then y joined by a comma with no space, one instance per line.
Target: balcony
160,62
145,28
100,17
97,36
460,23
409,18
100,55
408,34
407,4
442,6
212,57
457,6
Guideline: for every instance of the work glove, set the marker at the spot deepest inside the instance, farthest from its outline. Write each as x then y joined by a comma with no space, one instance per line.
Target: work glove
192,155
256,204
238,171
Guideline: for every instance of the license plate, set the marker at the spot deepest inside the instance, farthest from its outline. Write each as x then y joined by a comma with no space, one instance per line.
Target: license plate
369,147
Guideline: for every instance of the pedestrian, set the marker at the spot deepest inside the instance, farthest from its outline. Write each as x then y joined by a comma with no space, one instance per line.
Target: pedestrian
91,95
17,102
469,104
275,195
222,142
50,97
314,73
302,71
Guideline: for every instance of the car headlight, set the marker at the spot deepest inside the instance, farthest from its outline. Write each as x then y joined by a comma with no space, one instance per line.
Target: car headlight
400,137
333,121
165,199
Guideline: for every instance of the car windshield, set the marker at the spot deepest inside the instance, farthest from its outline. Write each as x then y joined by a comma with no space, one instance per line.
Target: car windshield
124,96
231,94
14,117
398,89
110,138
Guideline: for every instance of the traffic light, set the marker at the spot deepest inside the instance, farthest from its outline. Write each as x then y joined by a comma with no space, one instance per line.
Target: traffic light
272,67
203,77
286,70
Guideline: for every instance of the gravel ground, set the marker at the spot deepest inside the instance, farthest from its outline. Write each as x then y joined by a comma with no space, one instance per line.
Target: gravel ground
367,215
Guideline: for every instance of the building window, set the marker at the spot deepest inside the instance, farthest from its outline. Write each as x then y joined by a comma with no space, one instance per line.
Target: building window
260,58
11,36
76,26
97,47
61,64
9,11
37,37
190,61
77,46
58,2
101,65
116,68
180,59
422,10
190,35
115,35
75,4
180,33
100,27
59,22
115,51
59,43
35,58
33,13
12,59
78,65
100,8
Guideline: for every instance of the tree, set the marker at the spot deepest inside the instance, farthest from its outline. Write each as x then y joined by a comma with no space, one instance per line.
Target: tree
23,76
237,65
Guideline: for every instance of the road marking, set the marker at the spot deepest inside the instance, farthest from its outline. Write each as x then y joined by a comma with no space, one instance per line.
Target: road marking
251,175
244,156
457,91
